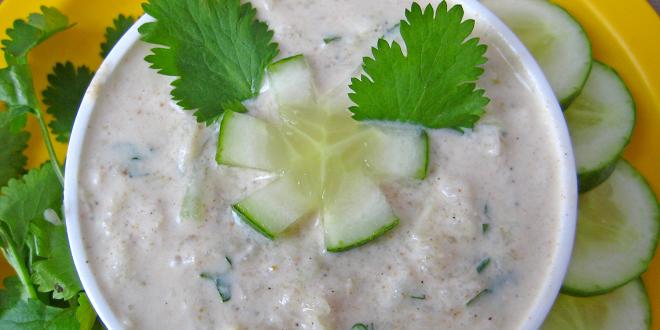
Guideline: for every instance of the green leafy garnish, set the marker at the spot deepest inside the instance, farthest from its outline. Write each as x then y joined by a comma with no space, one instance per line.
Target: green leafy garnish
19,312
476,297
25,35
433,84
66,88
222,284
56,271
12,160
331,39
26,199
218,51
113,33
16,89
483,264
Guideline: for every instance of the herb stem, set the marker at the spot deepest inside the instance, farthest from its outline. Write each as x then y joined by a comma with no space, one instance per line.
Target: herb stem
11,255
49,145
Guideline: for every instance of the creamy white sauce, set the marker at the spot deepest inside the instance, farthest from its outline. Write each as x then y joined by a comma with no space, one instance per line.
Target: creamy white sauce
142,154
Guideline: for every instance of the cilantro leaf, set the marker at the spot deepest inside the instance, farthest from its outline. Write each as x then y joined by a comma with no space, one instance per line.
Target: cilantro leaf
19,312
56,272
113,33
66,88
26,199
12,160
85,312
11,293
217,49
434,83
25,35
16,88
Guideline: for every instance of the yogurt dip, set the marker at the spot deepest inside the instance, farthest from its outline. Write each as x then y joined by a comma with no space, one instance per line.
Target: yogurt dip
473,249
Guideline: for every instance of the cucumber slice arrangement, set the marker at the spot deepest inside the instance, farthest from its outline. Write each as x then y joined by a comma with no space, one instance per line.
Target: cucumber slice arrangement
600,121
555,39
394,142
357,213
618,217
624,308
617,231
292,82
274,208
326,163
262,148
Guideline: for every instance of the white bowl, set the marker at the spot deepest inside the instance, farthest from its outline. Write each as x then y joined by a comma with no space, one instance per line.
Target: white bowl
568,204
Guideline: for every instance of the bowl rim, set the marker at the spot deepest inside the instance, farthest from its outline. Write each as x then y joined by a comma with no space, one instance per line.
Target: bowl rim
474,9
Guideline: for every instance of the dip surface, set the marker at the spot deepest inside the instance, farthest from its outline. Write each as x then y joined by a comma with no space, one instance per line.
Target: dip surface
491,194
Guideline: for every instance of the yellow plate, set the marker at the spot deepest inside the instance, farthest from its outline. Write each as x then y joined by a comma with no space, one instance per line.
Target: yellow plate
625,35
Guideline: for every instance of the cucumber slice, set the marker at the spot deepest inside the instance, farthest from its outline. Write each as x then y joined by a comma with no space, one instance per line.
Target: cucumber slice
600,121
292,82
250,142
555,39
355,212
402,152
272,209
624,308
617,232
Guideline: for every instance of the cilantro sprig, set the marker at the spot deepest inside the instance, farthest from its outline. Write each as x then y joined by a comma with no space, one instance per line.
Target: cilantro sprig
433,83
217,50
66,86
16,86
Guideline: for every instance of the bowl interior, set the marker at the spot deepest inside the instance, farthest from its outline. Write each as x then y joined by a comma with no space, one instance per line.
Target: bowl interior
473,9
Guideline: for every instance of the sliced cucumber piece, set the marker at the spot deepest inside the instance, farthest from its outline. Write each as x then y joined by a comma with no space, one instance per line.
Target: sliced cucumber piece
624,308
401,152
272,209
555,39
247,141
292,82
355,212
617,232
600,121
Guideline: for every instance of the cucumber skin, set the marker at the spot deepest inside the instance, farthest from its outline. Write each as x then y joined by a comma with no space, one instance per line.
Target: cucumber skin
565,289
566,101
591,179
421,175
640,284
375,235
649,312
218,153
274,66
248,219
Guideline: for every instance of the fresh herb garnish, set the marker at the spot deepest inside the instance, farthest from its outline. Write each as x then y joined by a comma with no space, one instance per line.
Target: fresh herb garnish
362,326
66,87
433,84
419,297
14,141
485,227
113,33
222,284
477,296
217,50
328,40
25,35
16,87
483,264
